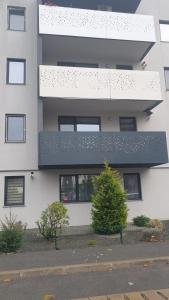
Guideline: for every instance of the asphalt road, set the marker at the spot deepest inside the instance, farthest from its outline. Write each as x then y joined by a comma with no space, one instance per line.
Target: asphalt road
66,287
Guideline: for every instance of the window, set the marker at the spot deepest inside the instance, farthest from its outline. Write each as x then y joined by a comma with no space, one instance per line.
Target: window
66,124
16,71
79,124
77,64
76,188
164,28
15,128
124,67
132,185
14,191
128,124
166,73
103,7
16,18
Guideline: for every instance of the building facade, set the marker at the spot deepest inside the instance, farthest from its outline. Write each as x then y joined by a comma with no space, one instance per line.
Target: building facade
81,83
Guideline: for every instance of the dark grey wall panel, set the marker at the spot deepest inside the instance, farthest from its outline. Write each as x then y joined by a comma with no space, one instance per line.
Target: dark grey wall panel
63,149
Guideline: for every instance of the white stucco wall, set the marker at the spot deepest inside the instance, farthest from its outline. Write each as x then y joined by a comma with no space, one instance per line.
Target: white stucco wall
19,99
43,189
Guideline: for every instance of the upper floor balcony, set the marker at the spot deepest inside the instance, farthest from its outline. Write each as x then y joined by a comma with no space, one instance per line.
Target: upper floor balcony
89,149
93,33
115,89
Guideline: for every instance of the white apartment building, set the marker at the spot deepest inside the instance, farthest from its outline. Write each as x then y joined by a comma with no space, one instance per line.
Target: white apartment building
82,82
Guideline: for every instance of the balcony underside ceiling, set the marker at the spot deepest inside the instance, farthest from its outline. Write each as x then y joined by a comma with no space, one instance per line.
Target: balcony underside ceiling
128,6
76,106
62,47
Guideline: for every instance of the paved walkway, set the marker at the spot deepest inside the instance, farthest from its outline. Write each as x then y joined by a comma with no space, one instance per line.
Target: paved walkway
80,256
148,295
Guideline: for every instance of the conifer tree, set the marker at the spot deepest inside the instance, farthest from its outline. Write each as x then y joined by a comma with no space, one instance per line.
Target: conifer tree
109,210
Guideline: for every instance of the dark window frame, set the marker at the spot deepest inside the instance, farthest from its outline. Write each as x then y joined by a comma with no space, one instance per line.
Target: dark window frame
128,117
77,188
75,121
164,22
139,185
74,64
8,17
6,204
8,69
124,67
6,129
166,69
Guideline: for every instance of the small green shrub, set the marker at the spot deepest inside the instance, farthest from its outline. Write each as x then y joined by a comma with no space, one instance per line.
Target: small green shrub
52,220
92,243
109,210
11,234
141,221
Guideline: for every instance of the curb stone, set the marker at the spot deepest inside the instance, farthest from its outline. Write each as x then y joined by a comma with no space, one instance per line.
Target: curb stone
7,276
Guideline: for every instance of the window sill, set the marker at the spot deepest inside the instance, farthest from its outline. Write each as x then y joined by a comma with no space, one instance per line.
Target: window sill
17,30
135,200
72,202
20,84
15,142
13,206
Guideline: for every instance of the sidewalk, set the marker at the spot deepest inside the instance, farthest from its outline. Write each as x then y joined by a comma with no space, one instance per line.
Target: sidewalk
54,258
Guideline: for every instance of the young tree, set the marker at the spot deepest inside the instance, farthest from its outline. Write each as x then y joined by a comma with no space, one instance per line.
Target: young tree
109,211
52,220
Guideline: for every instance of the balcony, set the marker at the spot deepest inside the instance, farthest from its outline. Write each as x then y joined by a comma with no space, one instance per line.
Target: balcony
117,36
115,89
90,149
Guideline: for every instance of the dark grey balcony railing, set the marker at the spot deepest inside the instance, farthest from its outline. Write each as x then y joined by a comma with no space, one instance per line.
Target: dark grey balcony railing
89,149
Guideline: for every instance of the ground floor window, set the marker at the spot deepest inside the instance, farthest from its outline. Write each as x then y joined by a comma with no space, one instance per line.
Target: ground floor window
76,188
14,191
132,185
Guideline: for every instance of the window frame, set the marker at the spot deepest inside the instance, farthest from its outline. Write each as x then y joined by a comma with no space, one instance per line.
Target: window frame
6,204
124,67
139,185
6,129
128,117
75,122
8,17
163,22
77,188
166,69
8,70
77,64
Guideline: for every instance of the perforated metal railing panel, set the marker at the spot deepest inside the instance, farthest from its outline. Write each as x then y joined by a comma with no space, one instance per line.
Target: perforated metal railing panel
92,148
145,295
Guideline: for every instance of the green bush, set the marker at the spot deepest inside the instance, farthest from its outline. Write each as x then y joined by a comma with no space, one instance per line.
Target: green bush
11,234
109,211
141,221
52,220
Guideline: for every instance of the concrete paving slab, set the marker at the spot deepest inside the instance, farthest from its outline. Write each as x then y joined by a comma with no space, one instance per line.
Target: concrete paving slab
147,295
